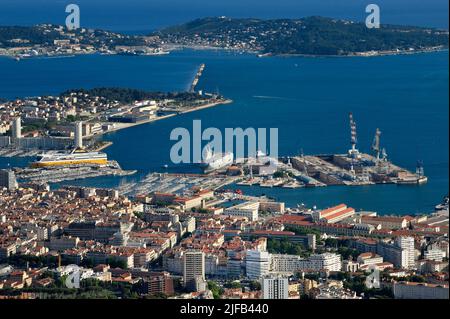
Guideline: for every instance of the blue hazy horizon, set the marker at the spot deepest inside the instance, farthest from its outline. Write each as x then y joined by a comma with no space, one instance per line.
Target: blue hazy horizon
142,16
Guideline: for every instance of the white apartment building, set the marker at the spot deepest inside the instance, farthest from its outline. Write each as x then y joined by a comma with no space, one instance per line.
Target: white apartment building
401,253
414,290
292,263
409,253
325,261
369,259
247,209
211,264
275,287
257,263
284,263
434,254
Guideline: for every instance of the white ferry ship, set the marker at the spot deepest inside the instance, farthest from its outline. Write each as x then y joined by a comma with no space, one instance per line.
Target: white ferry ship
59,158
212,162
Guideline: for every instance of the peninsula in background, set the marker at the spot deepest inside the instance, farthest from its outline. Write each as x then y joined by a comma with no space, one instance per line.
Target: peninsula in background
317,36
307,36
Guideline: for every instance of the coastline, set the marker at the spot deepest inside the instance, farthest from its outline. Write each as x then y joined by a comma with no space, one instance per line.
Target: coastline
178,47
72,55
150,120
206,106
368,54
260,54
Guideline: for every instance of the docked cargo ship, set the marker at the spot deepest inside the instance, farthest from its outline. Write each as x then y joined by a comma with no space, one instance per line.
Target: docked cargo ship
216,161
59,158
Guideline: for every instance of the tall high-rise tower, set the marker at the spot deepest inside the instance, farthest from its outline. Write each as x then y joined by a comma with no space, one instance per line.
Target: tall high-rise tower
257,263
408,251
193,268
8,179
17,128
78,135
275,287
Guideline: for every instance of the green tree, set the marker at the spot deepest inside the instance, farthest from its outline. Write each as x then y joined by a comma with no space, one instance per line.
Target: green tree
233,285
216,290
255,285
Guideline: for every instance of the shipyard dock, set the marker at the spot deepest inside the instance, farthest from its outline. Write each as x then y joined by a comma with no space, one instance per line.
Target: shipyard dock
327,170
340,169
353,168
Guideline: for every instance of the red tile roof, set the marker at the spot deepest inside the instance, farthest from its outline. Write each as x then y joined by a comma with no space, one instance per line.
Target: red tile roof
273,232
339,213
332,209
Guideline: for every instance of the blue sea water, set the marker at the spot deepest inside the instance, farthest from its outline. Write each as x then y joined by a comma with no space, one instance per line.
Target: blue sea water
307,99
143,15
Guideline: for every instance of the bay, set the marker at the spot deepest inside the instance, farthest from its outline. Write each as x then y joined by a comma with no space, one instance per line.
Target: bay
307,99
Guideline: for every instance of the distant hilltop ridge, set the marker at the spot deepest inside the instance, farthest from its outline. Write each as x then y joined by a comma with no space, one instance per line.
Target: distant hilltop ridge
47,34
308,36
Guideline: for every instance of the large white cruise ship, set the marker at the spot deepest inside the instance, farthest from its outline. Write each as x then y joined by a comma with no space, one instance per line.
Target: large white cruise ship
60,158
212,162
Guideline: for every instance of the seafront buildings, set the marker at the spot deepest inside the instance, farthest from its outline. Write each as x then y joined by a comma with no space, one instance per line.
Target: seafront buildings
54,122
60,41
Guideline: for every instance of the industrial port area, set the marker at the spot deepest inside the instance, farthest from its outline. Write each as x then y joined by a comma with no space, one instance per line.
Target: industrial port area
331,170
351,169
